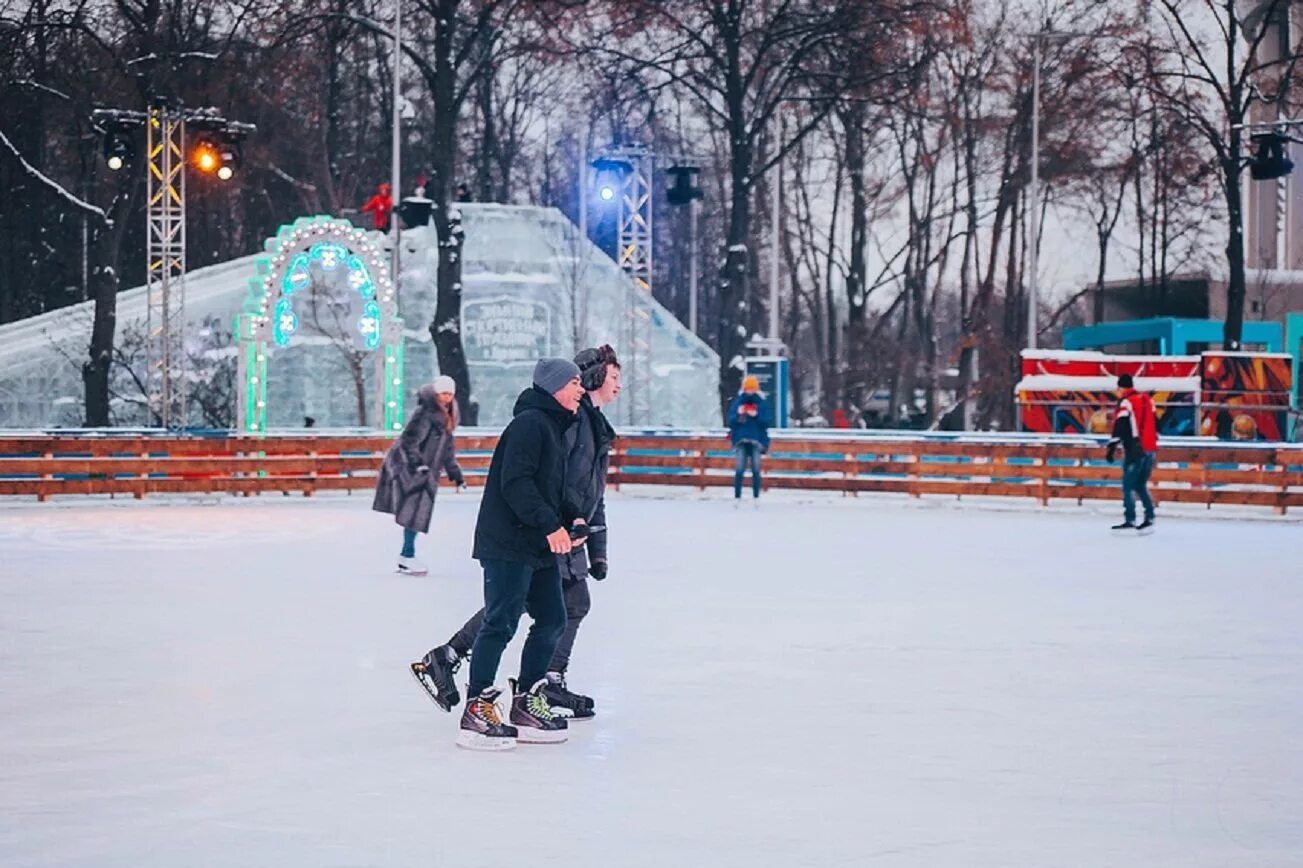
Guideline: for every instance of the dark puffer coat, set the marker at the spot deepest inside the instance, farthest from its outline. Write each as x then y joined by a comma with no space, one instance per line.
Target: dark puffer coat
403,489
588,447
524,496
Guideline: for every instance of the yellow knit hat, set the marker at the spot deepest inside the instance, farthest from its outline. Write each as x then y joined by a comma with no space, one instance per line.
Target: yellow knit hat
750,384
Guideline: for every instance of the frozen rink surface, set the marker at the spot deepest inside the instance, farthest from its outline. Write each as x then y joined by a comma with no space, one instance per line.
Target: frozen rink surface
818,682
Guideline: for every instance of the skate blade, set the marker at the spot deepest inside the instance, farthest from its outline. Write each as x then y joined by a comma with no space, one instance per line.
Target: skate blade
403,571
479,741
418,672
1144,532
531,735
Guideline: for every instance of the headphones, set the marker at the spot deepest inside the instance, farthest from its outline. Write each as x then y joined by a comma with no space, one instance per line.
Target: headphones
592,364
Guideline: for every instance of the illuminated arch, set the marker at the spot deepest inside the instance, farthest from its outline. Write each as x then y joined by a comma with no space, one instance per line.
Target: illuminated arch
269,322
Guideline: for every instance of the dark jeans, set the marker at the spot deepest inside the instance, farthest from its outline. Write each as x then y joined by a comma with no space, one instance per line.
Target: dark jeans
747,454
409,543
510,589
577,602
1135,483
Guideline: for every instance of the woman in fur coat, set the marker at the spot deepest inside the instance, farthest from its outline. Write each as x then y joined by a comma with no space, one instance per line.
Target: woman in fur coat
409,477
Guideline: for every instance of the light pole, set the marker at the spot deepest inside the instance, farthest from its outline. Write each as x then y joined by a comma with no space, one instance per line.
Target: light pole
1034,195
395,227
775,204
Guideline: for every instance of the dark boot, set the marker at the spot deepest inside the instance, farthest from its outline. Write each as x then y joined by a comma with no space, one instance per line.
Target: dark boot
533,718
573,706
436,671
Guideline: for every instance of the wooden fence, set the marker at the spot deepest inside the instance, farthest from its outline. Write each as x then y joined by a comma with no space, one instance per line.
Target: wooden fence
1205,473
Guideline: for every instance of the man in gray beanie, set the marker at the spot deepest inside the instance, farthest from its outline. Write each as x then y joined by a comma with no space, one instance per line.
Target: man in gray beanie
588,445
522,527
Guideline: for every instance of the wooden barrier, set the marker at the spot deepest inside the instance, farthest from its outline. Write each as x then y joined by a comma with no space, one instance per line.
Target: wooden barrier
1258,475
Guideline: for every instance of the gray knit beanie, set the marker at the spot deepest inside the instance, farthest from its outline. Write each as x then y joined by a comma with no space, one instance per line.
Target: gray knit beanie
551,374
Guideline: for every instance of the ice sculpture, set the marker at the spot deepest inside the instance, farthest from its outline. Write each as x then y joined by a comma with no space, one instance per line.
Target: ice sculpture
532,286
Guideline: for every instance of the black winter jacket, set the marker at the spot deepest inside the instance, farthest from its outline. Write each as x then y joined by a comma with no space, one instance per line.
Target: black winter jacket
588,450
524,496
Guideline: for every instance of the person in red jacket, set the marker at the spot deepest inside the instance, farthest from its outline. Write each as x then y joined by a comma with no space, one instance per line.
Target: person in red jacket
1136,431
380,206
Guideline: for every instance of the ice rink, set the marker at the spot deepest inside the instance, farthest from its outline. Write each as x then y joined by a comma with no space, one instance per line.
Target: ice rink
821,681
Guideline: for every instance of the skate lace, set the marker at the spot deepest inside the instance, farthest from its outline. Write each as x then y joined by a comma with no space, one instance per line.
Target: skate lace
538,706
488,711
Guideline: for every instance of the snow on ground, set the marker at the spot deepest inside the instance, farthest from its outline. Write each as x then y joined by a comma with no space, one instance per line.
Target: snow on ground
821,681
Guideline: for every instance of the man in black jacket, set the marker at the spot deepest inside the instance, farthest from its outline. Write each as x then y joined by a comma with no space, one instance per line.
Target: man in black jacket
588,446
522,528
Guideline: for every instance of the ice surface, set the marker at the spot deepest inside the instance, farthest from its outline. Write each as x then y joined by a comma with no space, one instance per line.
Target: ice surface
821,681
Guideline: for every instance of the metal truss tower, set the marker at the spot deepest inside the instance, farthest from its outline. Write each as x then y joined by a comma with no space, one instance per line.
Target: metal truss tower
165,252
634,256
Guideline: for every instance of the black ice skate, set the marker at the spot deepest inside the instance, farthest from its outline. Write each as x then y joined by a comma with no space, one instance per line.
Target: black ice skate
481,724
572,706
435,672
1146,527
1126,525
533,718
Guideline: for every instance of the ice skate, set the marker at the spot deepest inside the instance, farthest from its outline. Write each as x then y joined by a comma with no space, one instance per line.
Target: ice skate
481,724
1123,527
1146,527
533,717
572,706
435,672
412,567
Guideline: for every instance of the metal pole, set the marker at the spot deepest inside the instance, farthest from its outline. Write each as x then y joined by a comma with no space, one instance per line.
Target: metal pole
773,240
692,266
394,188
1034,194
583,187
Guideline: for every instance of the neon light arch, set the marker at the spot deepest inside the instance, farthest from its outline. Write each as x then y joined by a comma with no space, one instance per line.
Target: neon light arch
269,320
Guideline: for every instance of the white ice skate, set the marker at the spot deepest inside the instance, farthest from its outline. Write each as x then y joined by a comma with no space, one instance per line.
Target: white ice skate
412,567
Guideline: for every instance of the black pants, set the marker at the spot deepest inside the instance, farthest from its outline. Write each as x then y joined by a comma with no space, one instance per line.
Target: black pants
577,602
510,589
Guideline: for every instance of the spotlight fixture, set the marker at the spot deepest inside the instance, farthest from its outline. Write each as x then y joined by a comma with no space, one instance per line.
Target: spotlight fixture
204,155
117,150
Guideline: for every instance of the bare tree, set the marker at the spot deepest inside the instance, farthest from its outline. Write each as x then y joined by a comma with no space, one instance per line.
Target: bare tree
1211,60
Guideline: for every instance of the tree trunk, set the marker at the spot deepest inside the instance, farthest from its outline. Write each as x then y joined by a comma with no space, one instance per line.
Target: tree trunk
1097,315
358,372
445,329
108,257
489,141
733,299
1235,287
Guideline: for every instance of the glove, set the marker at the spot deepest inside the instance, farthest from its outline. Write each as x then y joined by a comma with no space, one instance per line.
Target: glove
1111,453
424,468
597,569
458,480
579,532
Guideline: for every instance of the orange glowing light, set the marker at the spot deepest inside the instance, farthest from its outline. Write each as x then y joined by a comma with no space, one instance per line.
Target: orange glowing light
205,157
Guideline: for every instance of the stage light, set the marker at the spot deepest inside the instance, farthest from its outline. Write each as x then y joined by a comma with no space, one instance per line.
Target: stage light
611,173
117,150
205,157
1270,160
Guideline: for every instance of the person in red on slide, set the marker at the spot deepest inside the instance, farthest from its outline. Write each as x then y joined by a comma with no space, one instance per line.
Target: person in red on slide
380,206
